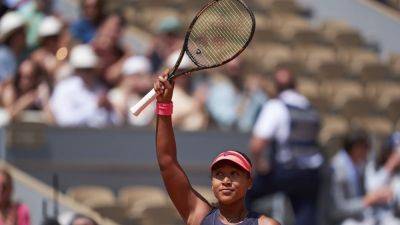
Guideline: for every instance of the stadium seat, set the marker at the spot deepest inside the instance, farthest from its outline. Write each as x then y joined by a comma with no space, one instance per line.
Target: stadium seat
356,58
397,128
308,87
91,195
333,26
332,71
394,62
341,91
138,198
383,91
129,195
333,125
115,212
288,26
285,6
272,55
375,72
348,38
166,215
375,125
314,57
322,104
393,110
357,107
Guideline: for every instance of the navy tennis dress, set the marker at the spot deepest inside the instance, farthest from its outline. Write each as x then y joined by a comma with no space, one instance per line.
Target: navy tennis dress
213,219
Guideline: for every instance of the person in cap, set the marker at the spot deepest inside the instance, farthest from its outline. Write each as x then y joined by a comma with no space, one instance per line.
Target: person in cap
230,175
51,54
168,40
135,83
81,100
12,47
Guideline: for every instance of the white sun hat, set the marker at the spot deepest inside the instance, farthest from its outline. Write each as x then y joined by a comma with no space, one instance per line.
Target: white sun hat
9,22
136,65
186,63
83,57
50,26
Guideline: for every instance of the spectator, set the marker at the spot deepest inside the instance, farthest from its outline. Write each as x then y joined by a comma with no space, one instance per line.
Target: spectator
250,104
385,172
189,112
28,91
85,28
34,12
81,100
110,53
51,54
290,126
135,83
350,200
12,37
11,212
167,41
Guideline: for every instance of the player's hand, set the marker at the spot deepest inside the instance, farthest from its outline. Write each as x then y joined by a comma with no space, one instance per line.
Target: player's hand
164,88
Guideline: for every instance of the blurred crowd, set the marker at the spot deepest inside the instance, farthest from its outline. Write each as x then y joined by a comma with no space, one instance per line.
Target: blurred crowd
81,73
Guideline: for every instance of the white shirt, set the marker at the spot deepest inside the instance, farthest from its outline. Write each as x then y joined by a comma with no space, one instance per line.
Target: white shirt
74,104
274,119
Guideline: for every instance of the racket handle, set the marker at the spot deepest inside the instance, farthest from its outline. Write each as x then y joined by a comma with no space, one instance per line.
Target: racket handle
143,103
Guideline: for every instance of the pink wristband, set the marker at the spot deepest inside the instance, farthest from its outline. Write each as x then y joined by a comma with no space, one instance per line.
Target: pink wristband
164,109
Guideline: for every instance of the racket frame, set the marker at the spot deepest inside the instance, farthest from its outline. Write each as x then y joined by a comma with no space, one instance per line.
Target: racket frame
151,96
184,50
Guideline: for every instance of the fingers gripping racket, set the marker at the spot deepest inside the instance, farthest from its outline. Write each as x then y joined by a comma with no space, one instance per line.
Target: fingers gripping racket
220,31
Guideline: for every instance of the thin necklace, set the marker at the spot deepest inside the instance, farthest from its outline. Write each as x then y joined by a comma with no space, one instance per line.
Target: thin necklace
240,218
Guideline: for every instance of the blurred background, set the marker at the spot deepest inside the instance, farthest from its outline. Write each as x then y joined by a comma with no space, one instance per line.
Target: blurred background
70,70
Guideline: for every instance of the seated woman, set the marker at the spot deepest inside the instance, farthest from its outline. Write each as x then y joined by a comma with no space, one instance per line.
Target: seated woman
385,172
230,175
11,212
26,92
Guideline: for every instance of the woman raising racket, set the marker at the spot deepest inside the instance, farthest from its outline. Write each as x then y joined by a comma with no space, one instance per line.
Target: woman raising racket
230,175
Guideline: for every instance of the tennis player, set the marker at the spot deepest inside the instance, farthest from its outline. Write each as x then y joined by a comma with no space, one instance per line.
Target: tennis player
230,175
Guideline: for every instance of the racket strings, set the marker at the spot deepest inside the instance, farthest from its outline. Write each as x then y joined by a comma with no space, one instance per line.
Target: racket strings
220,32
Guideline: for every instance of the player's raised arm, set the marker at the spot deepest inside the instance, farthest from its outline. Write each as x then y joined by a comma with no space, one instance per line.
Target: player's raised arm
191,206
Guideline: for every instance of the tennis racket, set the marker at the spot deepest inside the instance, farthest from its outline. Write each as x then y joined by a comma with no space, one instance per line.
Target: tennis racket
220,31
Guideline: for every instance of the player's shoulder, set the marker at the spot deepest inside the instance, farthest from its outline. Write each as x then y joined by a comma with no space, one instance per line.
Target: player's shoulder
264,220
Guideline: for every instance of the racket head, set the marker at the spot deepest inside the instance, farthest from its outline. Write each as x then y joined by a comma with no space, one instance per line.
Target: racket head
220,32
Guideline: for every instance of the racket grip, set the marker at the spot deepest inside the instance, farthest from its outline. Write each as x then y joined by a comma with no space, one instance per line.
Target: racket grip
143,103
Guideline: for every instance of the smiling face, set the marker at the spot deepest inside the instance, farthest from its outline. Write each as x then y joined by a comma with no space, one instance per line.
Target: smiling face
229,182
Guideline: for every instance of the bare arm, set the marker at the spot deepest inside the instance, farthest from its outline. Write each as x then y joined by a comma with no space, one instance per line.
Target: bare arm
191,206
257,149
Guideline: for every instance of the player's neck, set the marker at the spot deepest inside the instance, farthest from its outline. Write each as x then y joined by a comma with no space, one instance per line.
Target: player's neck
233,213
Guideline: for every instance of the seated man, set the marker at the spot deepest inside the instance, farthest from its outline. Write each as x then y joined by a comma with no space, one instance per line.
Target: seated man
81,100
348,194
